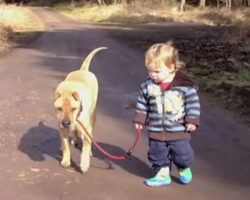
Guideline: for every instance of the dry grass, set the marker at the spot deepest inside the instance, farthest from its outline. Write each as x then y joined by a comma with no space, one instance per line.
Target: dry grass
219,62
153,11
16,23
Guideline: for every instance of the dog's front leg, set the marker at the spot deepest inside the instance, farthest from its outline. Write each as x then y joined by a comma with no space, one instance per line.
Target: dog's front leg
65,148
75,138
86,148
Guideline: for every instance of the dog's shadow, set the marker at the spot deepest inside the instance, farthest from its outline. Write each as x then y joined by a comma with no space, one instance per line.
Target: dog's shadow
41,141
132,164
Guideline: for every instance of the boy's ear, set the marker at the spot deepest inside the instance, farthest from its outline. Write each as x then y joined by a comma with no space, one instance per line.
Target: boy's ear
172,69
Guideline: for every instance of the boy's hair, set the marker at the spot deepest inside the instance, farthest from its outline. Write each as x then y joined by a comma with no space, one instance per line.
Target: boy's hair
163,53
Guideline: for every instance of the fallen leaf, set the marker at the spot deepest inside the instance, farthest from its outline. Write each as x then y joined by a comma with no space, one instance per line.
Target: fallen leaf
35,169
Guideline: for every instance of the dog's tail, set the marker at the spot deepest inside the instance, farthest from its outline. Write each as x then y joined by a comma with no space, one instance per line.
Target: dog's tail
86,62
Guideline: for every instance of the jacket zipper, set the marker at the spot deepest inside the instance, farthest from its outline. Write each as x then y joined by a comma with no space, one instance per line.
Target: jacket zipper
163,108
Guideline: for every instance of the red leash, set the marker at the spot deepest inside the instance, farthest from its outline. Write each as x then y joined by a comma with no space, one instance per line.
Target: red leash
127,155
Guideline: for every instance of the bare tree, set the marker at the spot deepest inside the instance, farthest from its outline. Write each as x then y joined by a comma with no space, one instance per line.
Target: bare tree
183,2
229,4
218,4
202,4
248,3
101,2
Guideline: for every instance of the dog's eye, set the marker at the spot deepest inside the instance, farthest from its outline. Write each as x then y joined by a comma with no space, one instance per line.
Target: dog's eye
60,109
73,109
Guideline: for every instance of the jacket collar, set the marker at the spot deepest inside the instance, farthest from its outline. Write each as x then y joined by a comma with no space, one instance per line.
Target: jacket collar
181,79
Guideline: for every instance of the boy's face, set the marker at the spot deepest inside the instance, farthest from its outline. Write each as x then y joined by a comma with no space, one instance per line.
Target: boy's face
159,74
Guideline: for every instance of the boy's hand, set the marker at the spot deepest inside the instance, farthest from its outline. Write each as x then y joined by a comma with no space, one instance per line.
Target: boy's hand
191,127
138,126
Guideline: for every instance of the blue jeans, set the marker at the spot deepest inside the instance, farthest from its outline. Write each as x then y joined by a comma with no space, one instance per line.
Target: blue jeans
181,152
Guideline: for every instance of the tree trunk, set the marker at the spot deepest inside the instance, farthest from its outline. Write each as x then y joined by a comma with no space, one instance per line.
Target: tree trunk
202,4
218,4
229,4
101,2
183,2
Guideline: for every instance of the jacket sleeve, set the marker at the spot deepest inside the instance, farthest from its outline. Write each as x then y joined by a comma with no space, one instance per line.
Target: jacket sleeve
192,105
141,110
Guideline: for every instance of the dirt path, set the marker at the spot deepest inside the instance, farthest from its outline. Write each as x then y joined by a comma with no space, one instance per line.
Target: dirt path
30,146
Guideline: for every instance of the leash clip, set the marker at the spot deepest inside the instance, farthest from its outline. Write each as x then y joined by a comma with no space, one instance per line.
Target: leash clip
129,153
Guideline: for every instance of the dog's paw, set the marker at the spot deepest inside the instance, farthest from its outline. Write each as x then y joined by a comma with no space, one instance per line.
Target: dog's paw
65,163
85,163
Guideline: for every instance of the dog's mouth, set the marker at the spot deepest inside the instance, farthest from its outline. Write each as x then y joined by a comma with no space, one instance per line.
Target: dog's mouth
68,128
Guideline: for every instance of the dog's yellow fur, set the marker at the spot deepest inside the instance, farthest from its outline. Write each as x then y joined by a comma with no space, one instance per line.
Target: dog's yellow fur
77,93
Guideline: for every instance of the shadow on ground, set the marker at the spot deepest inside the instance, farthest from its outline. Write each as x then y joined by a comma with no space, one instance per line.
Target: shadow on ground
42,141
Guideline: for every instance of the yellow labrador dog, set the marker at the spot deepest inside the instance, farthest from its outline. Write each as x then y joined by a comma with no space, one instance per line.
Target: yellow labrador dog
77,96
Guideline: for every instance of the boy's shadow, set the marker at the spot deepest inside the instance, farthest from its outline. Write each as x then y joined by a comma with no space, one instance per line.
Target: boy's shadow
41,141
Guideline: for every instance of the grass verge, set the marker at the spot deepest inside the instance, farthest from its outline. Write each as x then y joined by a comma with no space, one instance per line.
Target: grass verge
16,24
219,63
149,11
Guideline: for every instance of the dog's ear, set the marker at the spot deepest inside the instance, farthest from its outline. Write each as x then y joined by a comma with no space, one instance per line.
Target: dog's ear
76,96
57,95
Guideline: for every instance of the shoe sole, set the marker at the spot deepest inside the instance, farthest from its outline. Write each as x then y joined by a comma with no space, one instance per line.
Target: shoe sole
156,184
185,182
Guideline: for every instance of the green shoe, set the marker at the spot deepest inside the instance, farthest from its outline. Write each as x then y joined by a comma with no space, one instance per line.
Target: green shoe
162,178
185,175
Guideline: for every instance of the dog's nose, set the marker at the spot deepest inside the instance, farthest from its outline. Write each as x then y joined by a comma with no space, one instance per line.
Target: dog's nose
66,123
